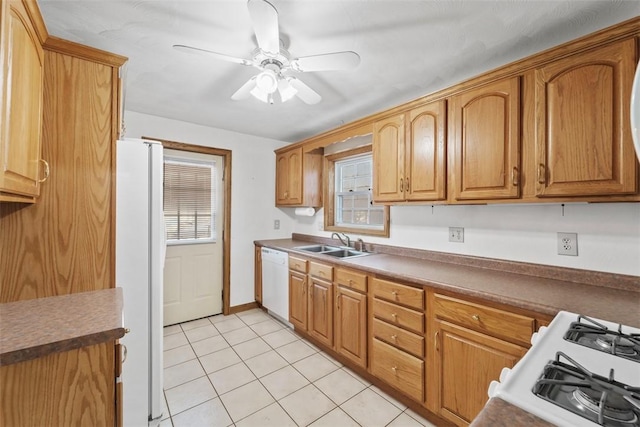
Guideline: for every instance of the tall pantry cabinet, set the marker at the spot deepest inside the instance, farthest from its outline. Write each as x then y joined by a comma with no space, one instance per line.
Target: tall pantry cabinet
63,242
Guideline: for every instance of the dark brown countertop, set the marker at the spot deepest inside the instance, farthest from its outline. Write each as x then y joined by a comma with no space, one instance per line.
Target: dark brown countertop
542,289
35,328
498,413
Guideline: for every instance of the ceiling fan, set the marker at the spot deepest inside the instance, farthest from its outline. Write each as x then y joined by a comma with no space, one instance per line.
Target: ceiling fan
275,63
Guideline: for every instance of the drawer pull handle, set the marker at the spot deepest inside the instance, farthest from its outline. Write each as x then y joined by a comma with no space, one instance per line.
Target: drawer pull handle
542,172
476,317
394,369
394,337
46,171
435,340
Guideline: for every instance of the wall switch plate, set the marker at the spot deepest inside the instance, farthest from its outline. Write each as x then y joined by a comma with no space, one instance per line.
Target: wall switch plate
568,244
276,224
456,234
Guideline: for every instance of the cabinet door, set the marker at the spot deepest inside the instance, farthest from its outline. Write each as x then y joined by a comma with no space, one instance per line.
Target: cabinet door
426,153
289,177
583,138
351,325
465,363
486,141
321,311
388,160
298,300
22,64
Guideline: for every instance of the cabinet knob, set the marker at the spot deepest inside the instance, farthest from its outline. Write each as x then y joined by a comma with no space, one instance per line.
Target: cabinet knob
514,176
127,330
406,183
475,317
394,337
394,293
401,185
395,316
394,369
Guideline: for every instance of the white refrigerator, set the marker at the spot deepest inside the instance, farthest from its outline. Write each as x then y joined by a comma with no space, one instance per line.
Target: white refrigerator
140,252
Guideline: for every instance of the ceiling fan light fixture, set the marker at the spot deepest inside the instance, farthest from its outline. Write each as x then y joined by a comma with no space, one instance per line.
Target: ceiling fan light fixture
286,90
267,81
259,94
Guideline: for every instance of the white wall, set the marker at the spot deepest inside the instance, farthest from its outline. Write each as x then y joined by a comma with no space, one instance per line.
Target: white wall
608,233
253,188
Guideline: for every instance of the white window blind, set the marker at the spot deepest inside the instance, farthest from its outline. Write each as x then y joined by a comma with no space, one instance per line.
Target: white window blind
353,198
189,200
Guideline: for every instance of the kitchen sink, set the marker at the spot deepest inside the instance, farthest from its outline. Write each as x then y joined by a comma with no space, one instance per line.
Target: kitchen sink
345,253
317,248
334,251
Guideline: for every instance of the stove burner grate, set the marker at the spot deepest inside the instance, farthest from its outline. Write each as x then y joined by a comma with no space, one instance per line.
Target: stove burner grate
592,334
601,400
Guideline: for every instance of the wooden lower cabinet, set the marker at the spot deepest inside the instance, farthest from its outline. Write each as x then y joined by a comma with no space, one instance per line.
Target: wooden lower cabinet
320,322
351,325
466,362
75,387
298,300
398,369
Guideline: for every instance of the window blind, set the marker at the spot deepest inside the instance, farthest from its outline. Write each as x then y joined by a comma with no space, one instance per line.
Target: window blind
189,200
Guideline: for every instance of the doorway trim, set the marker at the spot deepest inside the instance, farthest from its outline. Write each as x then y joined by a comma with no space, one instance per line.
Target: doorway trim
226,226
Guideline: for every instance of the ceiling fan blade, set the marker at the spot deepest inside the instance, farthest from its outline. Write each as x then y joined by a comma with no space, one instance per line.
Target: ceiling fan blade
305,93
265,25
327,62
196,50
245,90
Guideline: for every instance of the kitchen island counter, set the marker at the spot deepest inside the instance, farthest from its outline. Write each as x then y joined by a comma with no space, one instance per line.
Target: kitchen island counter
542,289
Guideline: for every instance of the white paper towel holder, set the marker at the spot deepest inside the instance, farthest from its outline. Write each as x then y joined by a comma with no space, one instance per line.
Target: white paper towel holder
305,211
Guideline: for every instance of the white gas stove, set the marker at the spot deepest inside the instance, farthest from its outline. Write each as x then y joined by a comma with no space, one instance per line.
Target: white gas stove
578,372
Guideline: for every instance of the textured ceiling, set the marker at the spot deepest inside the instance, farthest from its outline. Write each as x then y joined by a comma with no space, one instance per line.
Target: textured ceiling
407,49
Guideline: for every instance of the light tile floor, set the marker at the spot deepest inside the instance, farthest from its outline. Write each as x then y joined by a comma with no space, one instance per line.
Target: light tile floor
251,370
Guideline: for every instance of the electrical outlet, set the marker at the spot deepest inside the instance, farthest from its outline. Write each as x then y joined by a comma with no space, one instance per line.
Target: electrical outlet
456,234
568,244
276,224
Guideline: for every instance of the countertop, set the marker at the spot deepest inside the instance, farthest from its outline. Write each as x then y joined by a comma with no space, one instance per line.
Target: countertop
38,327
498,413
520,286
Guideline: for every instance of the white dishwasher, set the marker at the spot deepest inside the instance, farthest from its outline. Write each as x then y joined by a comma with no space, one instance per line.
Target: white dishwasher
275,283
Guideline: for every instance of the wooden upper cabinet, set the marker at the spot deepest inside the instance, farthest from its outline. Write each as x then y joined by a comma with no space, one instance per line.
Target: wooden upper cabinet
289,177
22,65
409,155
583,138
485,141
426,153
388,159
298,178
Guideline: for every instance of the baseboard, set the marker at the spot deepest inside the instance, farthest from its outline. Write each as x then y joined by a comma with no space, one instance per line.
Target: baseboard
243,307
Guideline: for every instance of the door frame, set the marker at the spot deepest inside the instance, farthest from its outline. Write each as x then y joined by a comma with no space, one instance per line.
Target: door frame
226,226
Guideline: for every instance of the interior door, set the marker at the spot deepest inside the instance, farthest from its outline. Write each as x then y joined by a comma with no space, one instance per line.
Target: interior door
193,271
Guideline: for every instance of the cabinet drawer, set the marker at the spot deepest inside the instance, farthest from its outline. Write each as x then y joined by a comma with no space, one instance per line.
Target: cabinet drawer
493,321
398,316
400,338
351,279
297,264
402,294
398,369
321,271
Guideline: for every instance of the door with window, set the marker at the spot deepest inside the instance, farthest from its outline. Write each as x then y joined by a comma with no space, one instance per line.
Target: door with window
193,209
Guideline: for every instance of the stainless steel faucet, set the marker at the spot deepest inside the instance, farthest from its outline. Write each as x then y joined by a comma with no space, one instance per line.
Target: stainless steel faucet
342,238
